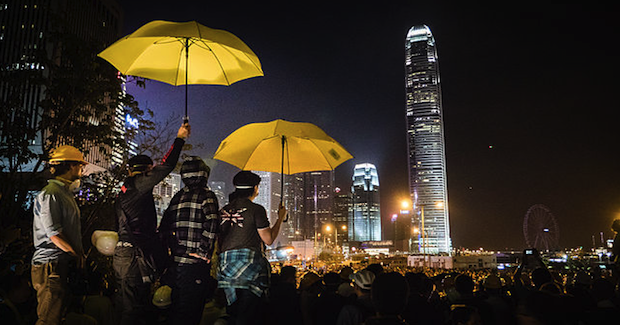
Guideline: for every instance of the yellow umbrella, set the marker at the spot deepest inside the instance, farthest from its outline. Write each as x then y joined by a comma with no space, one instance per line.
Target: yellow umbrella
165,51
282,147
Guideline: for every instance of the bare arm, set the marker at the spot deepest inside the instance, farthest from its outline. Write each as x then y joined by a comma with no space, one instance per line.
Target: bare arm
269,235
62,243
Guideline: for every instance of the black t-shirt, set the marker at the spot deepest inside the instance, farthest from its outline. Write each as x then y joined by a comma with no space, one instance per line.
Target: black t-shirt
240,221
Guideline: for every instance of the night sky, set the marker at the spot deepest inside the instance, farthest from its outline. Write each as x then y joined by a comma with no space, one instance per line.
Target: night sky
529,112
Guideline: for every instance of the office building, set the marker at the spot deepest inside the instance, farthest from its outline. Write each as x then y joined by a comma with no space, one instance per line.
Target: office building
26,30
365,219
427,161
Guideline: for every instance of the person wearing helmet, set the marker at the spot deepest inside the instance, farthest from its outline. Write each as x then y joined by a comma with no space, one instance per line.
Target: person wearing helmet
362,307
189,229
139,255
244,269
57,234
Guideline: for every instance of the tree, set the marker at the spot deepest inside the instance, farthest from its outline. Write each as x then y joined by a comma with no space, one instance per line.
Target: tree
81,95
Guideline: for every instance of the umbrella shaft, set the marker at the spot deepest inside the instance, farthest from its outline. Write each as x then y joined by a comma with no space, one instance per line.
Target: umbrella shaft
186,73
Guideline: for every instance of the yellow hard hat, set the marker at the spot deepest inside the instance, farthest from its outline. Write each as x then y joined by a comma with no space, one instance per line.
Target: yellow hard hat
163,297
66,153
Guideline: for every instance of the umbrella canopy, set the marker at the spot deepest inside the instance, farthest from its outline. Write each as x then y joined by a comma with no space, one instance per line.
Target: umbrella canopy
282,147
158,51
183,53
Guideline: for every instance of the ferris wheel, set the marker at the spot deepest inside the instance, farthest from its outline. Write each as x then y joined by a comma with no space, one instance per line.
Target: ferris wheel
540,228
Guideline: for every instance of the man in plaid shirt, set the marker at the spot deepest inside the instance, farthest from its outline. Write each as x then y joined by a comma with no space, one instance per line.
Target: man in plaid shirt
189,228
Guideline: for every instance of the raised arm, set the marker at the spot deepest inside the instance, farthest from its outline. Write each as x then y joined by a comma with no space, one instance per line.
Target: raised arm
159,172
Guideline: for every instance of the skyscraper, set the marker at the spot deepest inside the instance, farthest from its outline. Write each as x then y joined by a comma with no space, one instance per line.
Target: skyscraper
309,199
25,31
365,220
269,193
427,161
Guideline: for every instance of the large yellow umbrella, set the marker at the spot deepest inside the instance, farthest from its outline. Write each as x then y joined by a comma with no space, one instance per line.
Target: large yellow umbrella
183,53
282,147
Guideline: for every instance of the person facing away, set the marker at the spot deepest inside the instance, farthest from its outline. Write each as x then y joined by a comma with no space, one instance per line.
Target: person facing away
189,228
389,294
362,307
139,254
244,269
57,234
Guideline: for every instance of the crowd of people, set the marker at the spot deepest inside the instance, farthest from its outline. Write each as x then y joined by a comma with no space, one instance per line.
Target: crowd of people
206,265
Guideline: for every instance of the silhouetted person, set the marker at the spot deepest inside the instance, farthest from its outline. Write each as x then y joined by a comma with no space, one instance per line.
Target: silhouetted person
284,299
389,296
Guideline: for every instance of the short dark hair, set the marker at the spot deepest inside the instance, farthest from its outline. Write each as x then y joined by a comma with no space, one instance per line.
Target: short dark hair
244,182
62,167
389,293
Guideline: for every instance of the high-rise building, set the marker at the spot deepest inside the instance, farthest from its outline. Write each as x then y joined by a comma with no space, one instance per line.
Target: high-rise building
427,161
269,193
309,199
26,26
365,219
340,218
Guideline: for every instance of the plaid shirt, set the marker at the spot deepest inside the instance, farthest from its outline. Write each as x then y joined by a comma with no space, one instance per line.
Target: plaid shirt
243,269
190,224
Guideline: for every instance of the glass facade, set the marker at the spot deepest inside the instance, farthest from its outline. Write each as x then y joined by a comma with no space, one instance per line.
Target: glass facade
425,139
365,219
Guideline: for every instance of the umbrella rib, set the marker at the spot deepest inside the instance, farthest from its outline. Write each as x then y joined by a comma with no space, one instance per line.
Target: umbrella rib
256,147
218,62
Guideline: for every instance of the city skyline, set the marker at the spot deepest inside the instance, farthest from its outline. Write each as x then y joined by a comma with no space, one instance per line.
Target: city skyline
514,84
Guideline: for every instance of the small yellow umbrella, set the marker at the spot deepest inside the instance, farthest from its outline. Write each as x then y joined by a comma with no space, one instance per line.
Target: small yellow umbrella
166,51
282,147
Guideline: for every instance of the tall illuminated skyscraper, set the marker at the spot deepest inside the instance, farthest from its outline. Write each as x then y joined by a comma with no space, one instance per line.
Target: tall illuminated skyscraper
427,159
365,219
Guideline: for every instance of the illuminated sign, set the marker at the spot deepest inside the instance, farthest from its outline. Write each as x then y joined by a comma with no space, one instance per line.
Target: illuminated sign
130,121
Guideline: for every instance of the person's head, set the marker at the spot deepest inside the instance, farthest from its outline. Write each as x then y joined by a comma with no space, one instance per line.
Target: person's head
375,268
331,281
345,274
310,282
288,274
389,293
362,281
541,276
464,284
615,226
195,172
246,185
66,162
139,164
492,283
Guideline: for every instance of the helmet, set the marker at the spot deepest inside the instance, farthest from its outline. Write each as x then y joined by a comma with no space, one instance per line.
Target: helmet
162,297
104,241
66,153
363,279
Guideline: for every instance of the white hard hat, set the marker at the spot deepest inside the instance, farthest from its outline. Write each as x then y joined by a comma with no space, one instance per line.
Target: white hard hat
105,241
